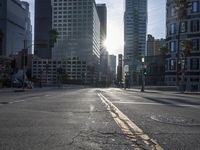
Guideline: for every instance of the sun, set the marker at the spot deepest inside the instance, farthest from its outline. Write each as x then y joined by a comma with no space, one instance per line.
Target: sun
105,43
114,41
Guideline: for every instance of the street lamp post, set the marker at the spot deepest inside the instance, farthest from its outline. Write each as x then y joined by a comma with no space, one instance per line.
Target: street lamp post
143,77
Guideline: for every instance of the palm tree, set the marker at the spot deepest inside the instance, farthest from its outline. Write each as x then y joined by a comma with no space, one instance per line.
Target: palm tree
181,9
186,48
164,51
53,36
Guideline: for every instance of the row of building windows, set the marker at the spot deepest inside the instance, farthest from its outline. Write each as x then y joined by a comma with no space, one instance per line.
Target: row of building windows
194,27
75,8
74,16
186,79
68,11
195,45
195,8
54,72
70,3
171,64
73,60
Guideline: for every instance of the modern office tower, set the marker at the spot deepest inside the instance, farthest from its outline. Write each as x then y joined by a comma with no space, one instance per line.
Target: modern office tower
43,26
120,69
28,27
78,27
12,27
102,13
135,30
112,63
182,67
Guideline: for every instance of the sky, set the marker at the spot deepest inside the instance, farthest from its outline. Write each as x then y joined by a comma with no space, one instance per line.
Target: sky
115,26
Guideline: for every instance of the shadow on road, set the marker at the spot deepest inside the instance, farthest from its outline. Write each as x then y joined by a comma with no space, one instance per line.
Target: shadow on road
170,101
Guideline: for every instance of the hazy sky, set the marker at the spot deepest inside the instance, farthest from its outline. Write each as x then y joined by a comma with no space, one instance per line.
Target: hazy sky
115,37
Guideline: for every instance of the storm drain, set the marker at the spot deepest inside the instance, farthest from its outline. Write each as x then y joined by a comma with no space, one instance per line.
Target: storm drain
175,120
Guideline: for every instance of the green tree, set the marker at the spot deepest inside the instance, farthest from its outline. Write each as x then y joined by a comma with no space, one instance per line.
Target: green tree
181,10
186,47
53,36
164,51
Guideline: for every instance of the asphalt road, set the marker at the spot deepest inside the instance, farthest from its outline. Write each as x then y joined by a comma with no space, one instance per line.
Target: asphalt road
88,118
170,118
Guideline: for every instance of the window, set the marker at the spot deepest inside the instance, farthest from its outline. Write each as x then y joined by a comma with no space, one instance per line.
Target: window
194,63
173,28
195,25
172,65
173,46
195,6
195,44
166,65
172,11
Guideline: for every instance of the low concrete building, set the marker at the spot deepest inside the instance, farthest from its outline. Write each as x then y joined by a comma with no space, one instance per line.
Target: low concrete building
71,70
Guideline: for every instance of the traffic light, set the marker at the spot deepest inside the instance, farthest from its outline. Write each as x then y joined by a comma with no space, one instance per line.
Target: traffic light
145,71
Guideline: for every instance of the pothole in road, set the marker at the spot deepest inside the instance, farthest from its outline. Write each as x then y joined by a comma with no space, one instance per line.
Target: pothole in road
175,120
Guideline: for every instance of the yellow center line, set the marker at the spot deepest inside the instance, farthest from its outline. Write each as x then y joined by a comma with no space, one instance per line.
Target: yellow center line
130,129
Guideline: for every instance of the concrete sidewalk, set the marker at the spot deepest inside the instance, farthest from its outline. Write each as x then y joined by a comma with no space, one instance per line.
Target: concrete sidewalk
154,89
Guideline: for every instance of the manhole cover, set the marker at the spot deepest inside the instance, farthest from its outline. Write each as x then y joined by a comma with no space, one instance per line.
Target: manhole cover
175,120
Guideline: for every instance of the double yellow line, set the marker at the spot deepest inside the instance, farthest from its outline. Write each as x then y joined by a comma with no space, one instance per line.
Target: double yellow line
130,130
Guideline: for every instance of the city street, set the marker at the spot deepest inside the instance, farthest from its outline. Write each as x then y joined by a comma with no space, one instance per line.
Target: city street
73,118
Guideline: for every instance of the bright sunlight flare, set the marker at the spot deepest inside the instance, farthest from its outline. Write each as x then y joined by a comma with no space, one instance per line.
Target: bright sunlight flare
115,39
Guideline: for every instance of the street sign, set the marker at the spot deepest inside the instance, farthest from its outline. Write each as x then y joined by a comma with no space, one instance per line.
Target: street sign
126,68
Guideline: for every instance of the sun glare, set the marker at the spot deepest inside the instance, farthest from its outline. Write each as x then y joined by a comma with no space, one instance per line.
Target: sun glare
115,40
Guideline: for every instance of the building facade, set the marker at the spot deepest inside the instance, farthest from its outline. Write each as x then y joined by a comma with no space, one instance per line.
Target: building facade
120,69
71,70
155,61
184,71
78,27
154,45
112,64
28,27
13,16
135,30
103,70
43,25
102,12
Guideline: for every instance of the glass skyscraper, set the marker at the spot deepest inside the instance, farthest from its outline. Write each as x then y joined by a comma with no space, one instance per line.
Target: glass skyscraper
135,32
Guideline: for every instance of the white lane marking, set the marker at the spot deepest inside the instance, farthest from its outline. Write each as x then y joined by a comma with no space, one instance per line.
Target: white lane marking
16,101
130,129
